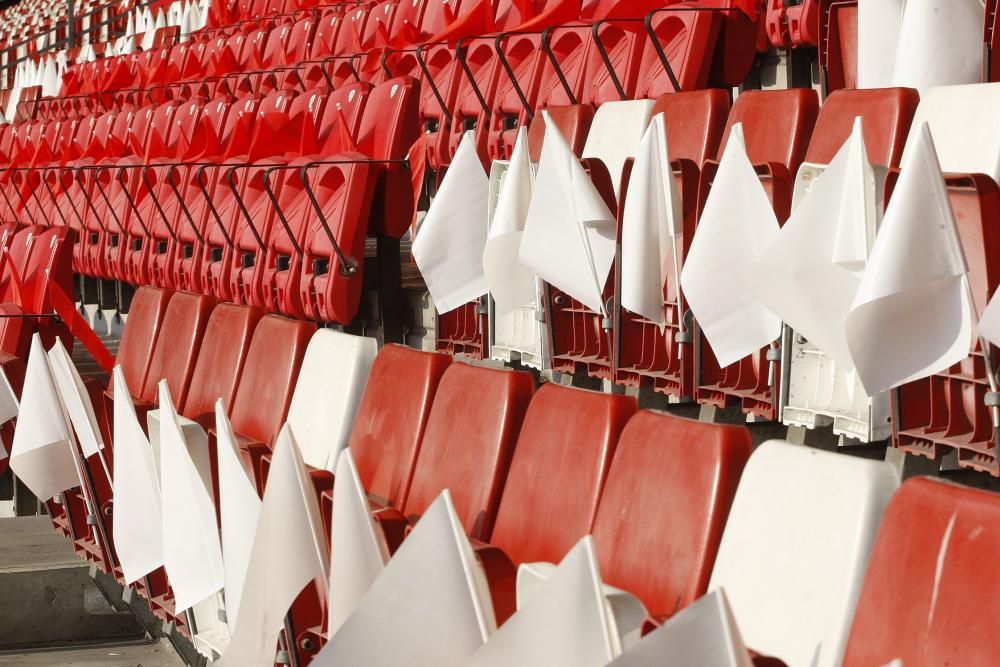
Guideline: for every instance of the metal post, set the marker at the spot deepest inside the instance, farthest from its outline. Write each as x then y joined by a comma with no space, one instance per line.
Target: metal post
70,24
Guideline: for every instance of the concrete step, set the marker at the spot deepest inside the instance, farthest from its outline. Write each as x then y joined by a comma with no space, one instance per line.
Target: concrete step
47,596
125,654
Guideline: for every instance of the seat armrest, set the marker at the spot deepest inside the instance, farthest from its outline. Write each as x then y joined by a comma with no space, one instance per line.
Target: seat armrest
760,660
395,527
501,575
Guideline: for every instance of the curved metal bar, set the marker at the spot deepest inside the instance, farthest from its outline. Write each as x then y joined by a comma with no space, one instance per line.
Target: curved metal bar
104,195
231,180
13,211
383,64
65,189
277,207
348,267
605,58
211,204
434,89
461,51
354,69
52,195
20,195
661,54
547,48
78,176
131,200
156,201
183,204
510,74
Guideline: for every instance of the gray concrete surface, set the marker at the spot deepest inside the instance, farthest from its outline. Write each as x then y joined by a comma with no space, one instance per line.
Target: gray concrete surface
137,654
47,597
30,543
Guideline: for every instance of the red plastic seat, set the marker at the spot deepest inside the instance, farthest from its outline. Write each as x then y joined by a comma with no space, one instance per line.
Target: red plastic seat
777,126
221,356
232,229
886,115
199,231
255,211
560,464
838,43
664,506
265,387
556,476
177,349
327,31
925,578
274,277
391,419
467,445
142,330
646,355
688,38
949,411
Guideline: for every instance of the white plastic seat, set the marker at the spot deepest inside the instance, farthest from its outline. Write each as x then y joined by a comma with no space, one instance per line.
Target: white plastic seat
965,125
795,549
327,394
516,336
615,134
816,392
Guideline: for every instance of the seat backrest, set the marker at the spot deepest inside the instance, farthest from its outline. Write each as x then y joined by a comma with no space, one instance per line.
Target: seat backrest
176,350
795,548
389,123
220,360
467,444
344,107
688,40
777,125
615,134
327,393
886,115
269,375
560,463
325,37
571,46
300,40
924,601
135,350
391,419
965,127
695,121
664,506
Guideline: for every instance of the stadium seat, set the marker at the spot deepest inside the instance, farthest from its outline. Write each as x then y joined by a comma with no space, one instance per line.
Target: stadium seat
950,411
404,381
327,393
177,350
795,547
135,350
551,493
923,575
266,384
580,337
664,506
467,445
647,356
777,127
220,362
886,118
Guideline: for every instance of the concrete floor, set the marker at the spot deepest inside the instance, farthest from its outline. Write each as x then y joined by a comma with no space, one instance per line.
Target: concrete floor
139,654
29,543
